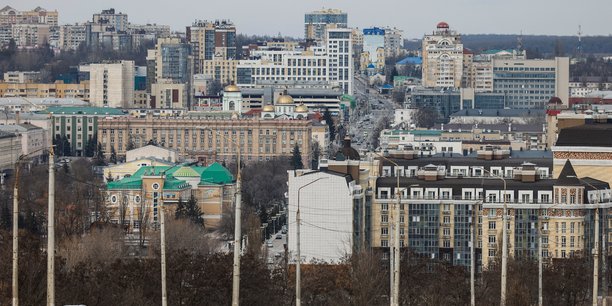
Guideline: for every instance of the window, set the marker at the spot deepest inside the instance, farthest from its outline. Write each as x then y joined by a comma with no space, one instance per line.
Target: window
491,252
384,243
384,218
384,231
571,241
563,241
446,219
492,239
446,231
572,227
384,207
492,212
492,225
563,227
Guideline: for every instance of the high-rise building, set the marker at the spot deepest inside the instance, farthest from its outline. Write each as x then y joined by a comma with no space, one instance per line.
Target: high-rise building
110,19
531,83
112,84
72,36
211,40
393,41
316,23
339,48
442,58
27,28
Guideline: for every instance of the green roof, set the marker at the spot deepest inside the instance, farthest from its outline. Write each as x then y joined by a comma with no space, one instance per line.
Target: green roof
426,132
83,110
213,174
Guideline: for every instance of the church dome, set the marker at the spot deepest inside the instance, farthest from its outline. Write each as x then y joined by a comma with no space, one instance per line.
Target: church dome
442,25
284,99
301,108
268,108
231,88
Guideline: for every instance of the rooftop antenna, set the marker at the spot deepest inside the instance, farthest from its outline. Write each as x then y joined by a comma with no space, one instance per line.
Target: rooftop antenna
519,41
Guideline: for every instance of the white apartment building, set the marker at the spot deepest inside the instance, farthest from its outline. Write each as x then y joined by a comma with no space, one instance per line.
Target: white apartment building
339,47
325,200
394,41
442,58
111,84
30,35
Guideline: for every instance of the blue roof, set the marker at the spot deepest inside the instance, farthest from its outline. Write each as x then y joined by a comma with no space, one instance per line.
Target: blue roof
371,66
386,86
373,31
414,60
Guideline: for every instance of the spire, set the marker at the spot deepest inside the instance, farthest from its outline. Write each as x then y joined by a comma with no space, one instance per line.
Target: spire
568,176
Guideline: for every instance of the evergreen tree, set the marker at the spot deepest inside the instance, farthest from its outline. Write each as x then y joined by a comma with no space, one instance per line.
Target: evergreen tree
67,150
316,152
90,147
113,156
330,124
100,155
130,144
181,210
194,213
296,159
59,145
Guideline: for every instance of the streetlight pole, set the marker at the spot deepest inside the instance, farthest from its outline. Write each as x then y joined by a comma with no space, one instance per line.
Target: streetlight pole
237,224
504,271
298,285
394,260
473,255
162,240
51,234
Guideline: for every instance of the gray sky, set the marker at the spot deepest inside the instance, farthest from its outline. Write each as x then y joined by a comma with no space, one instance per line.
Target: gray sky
553,17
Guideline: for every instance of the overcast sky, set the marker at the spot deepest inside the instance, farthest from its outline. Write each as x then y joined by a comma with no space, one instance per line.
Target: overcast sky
415,17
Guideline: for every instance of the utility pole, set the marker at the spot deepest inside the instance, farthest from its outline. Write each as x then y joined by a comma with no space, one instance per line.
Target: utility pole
396,239
51,234
16,236
540,260
237,236
604,256
504,272
596,256
162,241
473,256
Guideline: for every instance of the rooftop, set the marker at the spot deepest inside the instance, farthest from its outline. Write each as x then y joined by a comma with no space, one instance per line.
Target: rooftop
600,135
86,110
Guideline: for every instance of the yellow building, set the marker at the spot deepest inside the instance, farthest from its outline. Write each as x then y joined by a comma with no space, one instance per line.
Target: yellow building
136,200
41,90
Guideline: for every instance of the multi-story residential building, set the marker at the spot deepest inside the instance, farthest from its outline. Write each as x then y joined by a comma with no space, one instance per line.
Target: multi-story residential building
79,124
393,41
333,202
317,22
219,69
442,58
108,29
339,48
438,205
112,84
21,77
57,90
71,36
210,40
30,35
587,146
27,28
168,94
135,201
373,49
531,83
109,18
207,136
170,60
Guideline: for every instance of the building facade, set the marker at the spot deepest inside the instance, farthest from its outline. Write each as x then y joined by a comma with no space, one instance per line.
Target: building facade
112,84
317,22
442,58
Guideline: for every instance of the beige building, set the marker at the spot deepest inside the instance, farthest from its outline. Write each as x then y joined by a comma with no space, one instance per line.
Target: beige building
207,138
442,58
112,84
151,151
168,95
30,35
21,76
120,171
46,90
10,148
72,36
220,69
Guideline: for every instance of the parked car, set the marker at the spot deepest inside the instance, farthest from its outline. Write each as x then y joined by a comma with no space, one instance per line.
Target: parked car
270,244
279,236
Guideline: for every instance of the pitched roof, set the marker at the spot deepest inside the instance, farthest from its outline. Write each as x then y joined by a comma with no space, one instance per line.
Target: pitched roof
568,177
216,174
600,135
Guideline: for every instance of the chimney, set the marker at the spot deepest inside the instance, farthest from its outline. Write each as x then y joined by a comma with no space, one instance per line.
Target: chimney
510,127
17,119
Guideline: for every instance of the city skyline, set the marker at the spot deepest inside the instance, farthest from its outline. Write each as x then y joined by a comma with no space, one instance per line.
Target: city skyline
414,19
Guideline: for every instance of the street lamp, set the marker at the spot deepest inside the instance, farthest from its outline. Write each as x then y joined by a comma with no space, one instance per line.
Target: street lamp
237,225
15,280
504,271
596,246
395,262
298,289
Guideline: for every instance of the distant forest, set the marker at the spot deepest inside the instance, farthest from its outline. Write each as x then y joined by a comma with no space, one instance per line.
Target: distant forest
537,46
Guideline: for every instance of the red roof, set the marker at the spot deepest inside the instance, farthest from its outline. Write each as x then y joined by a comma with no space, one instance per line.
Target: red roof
467,51
442,25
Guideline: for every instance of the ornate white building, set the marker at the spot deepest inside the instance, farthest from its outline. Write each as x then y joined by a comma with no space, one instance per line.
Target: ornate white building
442,58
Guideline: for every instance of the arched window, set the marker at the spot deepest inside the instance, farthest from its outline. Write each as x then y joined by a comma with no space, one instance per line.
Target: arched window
232,105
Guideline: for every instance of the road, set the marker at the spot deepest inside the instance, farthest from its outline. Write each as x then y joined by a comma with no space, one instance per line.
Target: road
371,107
275,253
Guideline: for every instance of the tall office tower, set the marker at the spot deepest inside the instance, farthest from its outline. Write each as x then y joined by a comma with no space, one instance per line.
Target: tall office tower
211,41
531,83
171,60
373,49
339,46
316,22
442,58
112,84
